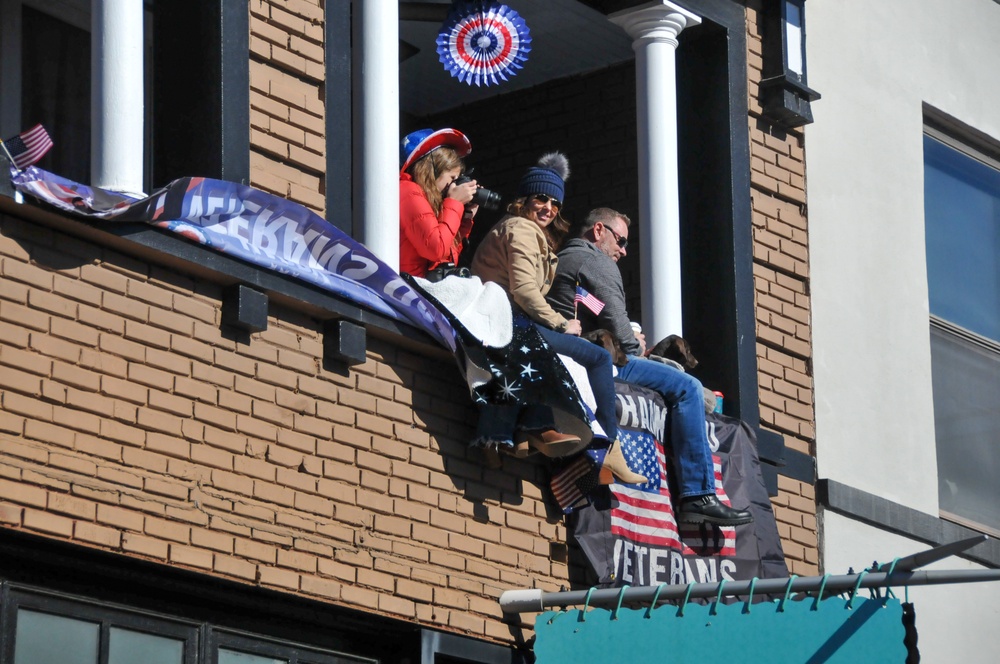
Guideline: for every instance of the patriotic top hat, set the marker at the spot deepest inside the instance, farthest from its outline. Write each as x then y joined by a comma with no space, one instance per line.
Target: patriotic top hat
424,141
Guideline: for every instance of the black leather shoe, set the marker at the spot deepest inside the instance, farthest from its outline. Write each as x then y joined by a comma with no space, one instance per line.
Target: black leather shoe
708,509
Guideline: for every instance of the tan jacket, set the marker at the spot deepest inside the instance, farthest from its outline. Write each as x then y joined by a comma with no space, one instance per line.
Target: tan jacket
516,255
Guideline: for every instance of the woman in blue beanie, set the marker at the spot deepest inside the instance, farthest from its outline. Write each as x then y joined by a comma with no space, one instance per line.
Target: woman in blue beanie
519,254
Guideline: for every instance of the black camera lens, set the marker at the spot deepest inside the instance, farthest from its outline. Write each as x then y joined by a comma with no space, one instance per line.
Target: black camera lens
487,199
483,197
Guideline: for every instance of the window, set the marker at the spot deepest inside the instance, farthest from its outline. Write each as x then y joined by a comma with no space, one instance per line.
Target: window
45,75
55,89
962,218
54,628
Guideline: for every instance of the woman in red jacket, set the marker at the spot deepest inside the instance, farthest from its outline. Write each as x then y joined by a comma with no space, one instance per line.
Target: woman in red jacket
435,217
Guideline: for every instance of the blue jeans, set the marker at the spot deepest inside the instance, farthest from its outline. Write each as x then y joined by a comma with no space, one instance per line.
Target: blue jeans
600,372
497,423
684,396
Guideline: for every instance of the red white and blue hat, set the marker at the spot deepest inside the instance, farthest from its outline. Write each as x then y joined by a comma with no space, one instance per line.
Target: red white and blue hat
422,142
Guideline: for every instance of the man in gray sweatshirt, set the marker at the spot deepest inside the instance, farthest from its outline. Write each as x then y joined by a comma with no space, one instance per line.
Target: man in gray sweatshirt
589,260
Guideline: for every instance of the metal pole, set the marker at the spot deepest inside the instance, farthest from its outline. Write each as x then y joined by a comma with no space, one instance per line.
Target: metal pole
525,601
933,555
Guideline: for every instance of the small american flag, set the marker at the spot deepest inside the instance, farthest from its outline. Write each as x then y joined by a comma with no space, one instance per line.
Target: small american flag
572,484
588,300
28,147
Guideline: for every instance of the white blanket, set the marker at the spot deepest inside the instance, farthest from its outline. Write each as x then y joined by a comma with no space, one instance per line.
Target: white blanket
483,308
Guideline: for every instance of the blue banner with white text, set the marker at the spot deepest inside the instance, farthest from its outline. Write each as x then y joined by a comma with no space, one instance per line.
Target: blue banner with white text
260,228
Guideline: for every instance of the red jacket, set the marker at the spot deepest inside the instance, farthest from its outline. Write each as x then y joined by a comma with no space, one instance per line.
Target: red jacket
426,239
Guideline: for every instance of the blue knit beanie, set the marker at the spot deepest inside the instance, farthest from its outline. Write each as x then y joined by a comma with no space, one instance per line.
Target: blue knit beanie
548,177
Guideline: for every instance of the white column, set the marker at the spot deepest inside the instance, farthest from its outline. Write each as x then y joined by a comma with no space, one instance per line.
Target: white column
377,123
116,105
654,28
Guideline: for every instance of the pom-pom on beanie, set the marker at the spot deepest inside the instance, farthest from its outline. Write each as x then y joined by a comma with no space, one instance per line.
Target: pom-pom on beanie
548,177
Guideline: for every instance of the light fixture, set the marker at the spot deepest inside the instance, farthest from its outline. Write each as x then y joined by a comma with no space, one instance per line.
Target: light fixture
785,96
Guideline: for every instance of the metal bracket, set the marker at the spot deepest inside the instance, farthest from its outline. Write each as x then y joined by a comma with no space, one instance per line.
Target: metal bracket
344,343
244,308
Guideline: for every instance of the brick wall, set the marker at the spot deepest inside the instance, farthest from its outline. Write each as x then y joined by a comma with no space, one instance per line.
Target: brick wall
781,279
287,118
129,422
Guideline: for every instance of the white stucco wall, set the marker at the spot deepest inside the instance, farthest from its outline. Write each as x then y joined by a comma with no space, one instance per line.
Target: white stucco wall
955,623
876,64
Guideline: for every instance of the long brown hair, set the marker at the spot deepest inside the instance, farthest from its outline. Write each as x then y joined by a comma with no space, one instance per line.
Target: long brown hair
555,232
428,168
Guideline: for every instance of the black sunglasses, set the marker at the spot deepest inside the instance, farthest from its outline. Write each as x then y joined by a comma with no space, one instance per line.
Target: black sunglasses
543,199
622,241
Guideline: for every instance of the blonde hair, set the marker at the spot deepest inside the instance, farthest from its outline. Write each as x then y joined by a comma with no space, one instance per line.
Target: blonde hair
428,169
555,232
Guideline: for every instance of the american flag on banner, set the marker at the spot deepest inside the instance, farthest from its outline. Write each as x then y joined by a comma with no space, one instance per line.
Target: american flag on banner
644,513
723,540
588,300
28,147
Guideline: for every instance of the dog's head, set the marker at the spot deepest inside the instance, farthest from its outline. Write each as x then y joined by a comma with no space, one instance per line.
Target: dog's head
677,349
607,341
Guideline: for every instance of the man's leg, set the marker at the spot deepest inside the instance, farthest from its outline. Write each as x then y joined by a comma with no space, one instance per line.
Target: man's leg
683,392
689,438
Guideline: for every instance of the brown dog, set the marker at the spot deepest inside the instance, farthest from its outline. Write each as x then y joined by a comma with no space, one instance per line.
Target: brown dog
677,349
607,341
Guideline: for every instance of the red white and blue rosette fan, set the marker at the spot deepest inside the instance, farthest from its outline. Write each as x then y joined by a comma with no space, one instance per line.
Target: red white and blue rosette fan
482,43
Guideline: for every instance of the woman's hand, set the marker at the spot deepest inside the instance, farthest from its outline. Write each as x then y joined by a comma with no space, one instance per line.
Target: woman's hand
573,327
462,193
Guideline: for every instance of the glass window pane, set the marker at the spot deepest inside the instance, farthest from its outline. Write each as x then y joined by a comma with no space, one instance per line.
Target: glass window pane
43,637
128,647
55,77
962,217
966,379
235,657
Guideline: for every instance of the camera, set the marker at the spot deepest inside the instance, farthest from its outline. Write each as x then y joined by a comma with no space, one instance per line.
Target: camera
483,197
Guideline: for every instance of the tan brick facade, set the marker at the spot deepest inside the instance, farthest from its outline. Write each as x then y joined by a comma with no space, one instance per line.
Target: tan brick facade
287,115
130,422
781,279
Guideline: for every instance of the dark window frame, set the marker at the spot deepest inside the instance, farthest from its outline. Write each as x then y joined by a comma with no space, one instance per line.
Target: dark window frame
980,147
68,571
201,640
295,653
201,89
17,597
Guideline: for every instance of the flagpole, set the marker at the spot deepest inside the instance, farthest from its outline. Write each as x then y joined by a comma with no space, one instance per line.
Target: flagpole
576,302
10,158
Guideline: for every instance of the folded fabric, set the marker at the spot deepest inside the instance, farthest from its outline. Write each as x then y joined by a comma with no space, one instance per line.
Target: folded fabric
523,370
483,308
